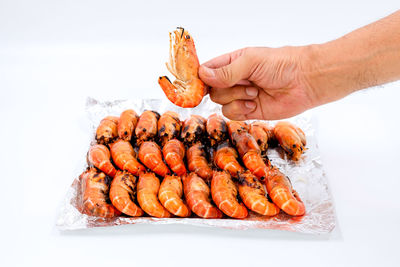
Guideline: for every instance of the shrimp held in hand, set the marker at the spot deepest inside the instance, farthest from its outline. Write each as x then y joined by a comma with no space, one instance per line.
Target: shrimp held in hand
99,156
147,191
224,193
187,90
94,188
253,194
280,190
197,194
170,196
122,194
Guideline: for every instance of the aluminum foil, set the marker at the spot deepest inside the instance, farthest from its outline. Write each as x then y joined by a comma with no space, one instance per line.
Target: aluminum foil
307,176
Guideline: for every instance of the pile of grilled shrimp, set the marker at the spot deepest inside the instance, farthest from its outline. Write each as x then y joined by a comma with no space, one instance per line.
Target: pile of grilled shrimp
160,166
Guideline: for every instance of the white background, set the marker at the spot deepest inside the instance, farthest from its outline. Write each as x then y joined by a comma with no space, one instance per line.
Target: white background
53,54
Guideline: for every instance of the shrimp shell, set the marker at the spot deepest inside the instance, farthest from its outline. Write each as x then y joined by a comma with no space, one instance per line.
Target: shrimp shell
127,124
253,194
174,153
122,194
169,126
150,155
146,128
99,156
197,161
107,131
224,193
94,188
197,195
193,129
124,157
170,196
147,191
262,133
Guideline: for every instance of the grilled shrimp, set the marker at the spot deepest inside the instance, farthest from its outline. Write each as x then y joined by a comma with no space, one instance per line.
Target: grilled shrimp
282,194
124,157
170,196
262,133
174,152
187,90
147,191
94,188
99,156
169,126
193,129
146,128
291,138
224,193
122,194
253,194
216,129
127,124
197,161
107,131
225,158
197,195
248,149
150,155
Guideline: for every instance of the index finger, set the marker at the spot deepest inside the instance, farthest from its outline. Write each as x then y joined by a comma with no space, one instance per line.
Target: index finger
223,60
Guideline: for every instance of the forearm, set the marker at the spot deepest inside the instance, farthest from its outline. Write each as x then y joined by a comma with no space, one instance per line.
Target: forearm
363,58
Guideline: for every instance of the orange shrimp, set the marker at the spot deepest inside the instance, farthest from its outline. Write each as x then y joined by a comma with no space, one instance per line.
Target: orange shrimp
146,128
107,131
248,149
150,155
197,161
169,126
197,195
127,124
122,194
170,196
187,90
147,191
283,195
253,194
99,156
226,159
94,188
262,133
193,129
291,138
216,129
124,157
224,193
174,152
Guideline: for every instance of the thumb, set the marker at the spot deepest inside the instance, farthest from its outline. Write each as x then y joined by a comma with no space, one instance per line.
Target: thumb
229,75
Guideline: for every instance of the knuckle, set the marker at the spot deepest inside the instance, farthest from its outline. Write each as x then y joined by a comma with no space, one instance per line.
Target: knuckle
225,75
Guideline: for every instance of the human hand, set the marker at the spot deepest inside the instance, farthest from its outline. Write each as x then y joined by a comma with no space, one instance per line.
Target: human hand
260,83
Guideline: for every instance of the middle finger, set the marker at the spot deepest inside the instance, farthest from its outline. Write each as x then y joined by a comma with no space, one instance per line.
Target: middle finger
226,95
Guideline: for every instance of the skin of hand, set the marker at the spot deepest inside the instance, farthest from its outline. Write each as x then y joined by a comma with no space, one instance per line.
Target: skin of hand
277,83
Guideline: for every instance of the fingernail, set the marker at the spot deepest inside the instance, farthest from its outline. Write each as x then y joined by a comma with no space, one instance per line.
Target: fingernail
208,72
251,91
250,105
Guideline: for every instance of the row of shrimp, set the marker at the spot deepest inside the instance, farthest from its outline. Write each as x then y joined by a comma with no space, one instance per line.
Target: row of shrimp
161,166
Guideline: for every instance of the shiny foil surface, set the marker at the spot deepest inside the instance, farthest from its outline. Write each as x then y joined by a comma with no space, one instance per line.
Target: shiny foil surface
307,177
